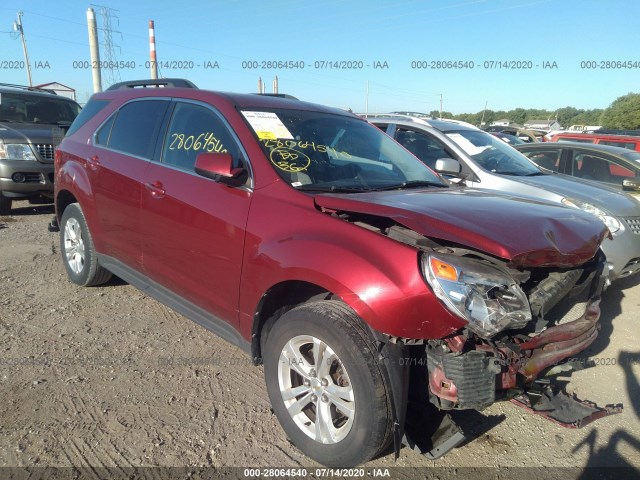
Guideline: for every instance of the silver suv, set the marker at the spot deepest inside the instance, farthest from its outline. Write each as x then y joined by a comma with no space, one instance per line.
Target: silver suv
460,150
32,123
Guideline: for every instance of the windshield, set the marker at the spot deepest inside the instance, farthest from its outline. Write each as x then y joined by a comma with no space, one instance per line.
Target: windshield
493,154
16,107
327,152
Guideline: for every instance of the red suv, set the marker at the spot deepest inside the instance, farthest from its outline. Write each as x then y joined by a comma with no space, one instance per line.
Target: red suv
377,296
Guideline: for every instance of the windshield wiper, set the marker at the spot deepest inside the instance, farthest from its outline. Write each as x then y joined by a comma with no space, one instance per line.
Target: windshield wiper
410,184
537,174
330,188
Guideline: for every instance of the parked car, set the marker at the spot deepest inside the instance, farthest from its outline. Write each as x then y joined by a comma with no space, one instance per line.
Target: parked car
509,139
615,166
484,161
32,121
630,142
523,134
368,286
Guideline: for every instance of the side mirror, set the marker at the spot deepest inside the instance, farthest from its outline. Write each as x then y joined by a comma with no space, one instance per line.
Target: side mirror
219,167
447,166
631,184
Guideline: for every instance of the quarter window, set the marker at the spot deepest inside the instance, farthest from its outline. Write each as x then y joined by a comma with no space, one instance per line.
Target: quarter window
195,129
135,129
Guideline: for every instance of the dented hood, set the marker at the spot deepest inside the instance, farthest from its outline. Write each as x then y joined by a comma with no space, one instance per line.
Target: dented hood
526,232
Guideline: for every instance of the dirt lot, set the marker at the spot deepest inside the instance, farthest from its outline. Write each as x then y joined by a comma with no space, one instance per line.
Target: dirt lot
107,377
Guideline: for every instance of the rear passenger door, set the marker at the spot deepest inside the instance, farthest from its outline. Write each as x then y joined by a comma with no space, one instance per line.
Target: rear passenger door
125,143
193,228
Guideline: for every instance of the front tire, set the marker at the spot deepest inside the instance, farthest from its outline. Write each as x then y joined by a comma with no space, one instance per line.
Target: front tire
325,384
78,253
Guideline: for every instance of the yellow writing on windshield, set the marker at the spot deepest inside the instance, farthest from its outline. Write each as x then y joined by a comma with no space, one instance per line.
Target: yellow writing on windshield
304,144
289,160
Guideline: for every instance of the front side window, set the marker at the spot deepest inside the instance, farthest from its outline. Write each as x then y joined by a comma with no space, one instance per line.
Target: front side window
601,169
492,154
323,151
195,129
135,128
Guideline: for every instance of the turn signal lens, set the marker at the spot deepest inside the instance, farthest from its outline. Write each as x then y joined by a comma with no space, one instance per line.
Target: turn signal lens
443,270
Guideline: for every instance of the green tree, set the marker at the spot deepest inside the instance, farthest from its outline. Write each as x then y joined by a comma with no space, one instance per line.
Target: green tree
623,113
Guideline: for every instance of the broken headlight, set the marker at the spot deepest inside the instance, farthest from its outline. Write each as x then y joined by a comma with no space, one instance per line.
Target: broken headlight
487,298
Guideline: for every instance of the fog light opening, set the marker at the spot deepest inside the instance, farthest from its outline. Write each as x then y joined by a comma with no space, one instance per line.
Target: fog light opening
18,177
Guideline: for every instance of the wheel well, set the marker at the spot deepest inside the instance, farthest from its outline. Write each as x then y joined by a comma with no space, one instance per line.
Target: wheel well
274,303
63,200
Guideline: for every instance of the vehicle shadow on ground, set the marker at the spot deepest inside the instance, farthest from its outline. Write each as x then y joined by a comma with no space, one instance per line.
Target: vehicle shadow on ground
607,456
33,210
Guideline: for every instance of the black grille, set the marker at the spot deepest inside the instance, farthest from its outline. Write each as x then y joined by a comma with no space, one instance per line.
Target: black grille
634,224
45,151
33,178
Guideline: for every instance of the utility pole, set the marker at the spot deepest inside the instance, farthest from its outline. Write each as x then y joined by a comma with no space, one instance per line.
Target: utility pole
483,112
17,26
440,106
93,48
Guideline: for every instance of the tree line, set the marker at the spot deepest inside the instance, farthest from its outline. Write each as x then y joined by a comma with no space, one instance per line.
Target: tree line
623,113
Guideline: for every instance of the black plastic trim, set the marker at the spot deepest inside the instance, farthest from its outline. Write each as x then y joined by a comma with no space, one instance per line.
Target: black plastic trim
176,302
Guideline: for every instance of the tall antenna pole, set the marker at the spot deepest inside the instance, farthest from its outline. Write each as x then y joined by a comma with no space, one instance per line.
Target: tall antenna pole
275,85
95,52
366,100
18,27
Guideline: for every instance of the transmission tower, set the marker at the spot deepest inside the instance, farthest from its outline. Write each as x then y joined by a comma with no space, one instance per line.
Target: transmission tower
110,61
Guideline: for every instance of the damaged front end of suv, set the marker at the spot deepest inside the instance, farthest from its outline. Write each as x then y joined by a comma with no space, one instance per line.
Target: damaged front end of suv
524,314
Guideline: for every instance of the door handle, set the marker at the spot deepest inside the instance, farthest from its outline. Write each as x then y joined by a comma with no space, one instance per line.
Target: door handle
156,189
93,163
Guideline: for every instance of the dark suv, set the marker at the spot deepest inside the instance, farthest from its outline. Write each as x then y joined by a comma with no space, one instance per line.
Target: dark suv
32,123
378,296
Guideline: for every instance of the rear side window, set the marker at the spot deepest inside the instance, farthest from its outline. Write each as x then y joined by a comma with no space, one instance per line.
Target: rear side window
196,129
618,143
87,113
549,159
135,128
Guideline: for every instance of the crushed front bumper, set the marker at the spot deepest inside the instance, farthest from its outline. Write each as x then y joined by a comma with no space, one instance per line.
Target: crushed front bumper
474,379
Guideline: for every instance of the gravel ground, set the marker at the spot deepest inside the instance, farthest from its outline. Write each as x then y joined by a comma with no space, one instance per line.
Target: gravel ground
108,377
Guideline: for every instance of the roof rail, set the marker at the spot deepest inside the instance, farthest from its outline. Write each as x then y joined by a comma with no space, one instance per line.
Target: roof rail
279,95
397,116
31,89
155,83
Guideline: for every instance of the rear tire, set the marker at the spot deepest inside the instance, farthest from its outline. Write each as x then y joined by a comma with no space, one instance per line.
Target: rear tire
317,358
5,205
77,250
